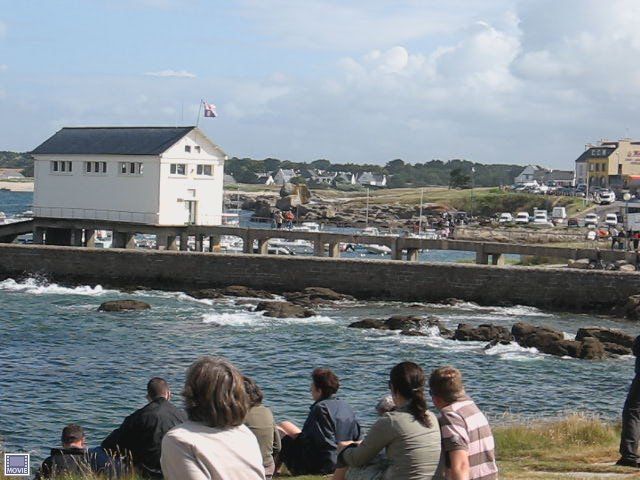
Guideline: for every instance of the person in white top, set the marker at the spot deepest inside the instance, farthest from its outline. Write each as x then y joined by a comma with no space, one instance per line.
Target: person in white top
213,444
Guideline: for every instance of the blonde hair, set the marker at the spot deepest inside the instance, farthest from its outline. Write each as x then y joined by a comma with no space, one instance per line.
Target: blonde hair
446,383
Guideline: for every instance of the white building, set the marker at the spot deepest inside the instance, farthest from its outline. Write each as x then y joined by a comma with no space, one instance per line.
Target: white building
372,179
528,173
148,175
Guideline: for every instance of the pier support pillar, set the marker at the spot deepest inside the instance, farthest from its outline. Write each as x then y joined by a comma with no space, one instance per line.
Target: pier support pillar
263,246
76,238
184,242
129,240
318,248
497,259
119,240
172,242
214,243
396,250
412,254
482,258
161,242
199,243
38,235
334,250
90,238
247,243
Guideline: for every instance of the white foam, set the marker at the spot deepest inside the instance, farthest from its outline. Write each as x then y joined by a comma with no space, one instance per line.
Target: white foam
258,319
513,351
32,286
569,336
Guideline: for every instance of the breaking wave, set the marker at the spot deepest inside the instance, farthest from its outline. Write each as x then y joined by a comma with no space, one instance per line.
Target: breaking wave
37,287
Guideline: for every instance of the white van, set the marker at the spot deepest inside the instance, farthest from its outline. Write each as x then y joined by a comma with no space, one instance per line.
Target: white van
505,218
540,217
522,218
559,213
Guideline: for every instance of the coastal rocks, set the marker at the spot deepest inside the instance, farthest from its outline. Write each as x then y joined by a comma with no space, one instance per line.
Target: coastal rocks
552,342
606,335
231,291
287,203
369,323
314,296
405,324
629,309
123,305
581,264
482,333
283,310
205,294
592,349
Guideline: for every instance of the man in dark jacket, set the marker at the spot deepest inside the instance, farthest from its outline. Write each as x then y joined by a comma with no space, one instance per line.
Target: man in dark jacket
630,436
141,432
73,458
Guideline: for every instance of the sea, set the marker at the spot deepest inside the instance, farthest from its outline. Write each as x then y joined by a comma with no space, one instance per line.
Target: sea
62,361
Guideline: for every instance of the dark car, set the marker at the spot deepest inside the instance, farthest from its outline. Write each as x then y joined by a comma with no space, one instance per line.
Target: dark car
573,222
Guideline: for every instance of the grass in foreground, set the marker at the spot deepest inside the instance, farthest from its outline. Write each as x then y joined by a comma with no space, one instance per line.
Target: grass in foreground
575,447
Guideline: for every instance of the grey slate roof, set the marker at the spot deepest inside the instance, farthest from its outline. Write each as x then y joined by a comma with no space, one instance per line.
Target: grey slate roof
112,140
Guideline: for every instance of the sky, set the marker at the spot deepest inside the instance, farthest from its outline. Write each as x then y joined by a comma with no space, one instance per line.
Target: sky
363,81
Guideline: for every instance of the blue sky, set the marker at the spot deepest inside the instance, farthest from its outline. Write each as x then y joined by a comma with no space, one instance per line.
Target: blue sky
504,81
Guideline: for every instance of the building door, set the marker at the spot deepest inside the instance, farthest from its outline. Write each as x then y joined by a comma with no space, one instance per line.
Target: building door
192,208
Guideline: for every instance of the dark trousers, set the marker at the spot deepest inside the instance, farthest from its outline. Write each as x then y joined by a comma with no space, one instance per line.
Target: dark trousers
630,437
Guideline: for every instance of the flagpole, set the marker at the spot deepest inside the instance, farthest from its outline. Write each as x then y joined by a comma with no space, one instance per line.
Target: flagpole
199,108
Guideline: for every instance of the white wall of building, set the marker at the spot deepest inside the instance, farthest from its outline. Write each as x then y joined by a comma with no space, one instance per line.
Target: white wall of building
176,191
108,196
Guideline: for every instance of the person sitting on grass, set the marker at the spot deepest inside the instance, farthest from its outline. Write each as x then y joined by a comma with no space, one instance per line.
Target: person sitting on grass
410,434
74,458
141,432
314,449
467,440
213,444
260,422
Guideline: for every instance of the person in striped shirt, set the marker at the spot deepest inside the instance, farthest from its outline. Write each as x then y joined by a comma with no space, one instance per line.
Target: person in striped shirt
467,441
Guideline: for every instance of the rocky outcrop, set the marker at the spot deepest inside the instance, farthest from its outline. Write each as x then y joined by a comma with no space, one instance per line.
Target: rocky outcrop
482,333
405,324
552,342
581,264
231,291
629,309
283,310
314,296
606,335
123,305
205,293
373,323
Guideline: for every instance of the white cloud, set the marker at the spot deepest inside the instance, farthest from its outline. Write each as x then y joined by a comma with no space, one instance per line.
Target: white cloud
171,74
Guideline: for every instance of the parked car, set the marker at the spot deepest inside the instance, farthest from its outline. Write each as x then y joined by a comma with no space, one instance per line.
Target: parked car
611,219
559,214
591,219
573,222
505,218
605,197
540,217
522,218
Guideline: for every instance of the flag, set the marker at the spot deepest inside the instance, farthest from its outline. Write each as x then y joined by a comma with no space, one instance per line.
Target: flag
209,110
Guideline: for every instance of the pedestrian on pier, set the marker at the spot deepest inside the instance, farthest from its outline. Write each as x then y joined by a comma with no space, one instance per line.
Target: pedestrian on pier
630,435
278,219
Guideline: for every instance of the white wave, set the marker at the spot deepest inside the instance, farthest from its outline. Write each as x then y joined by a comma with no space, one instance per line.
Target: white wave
258,319
517,310
513,351
569,336
32,286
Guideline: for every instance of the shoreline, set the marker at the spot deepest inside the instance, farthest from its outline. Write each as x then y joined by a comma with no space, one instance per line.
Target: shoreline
27,186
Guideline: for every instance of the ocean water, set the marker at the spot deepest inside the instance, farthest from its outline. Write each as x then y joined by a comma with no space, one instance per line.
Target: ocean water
61,361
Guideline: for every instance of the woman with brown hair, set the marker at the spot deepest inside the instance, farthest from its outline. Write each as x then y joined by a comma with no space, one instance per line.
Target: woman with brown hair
314,449
213,444
410,434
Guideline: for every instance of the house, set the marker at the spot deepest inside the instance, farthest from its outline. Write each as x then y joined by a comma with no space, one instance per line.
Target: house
264,179
228,179
527,175
283,176
318,176
344,177
372,179
11,174
609,163
559,178
144,175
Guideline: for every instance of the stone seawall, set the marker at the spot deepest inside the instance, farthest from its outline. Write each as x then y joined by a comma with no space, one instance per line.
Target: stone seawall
565,289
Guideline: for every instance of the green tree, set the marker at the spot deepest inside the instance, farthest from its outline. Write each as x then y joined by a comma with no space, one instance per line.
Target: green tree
459,179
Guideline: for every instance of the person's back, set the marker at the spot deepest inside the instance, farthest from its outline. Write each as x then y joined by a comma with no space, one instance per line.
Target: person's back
141,432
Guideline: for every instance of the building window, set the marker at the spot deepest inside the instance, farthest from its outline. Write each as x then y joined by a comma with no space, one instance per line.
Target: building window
95,167
197,147
61,166
206,170
187,148
131,168
178,169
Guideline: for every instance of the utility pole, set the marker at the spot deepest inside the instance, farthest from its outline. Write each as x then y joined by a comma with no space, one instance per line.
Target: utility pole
367,210
420,221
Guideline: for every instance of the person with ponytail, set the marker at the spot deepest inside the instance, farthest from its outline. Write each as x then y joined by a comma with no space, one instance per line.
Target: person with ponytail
410,434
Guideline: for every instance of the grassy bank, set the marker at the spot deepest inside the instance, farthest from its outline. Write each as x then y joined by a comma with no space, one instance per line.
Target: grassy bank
576,447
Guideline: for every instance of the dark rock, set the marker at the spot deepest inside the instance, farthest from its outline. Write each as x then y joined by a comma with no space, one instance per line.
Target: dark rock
404,322
287,203
482,333
451,301
283,310
205,293
262,209
287,190
242,291
123,305
413,333
592,349
629,309
606,335
369,323
493,343
313,296
522,330
616,349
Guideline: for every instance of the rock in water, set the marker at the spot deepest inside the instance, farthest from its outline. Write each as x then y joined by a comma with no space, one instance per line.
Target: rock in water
283,310
630,309
482,333
242,291
312,296
205,293
592,349
123,305
404,322
606,335
369,323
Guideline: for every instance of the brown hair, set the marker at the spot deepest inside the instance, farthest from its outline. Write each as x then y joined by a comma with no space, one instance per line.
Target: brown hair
326,381
157,387
446,383
214,393
254,393
407,379
71,433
